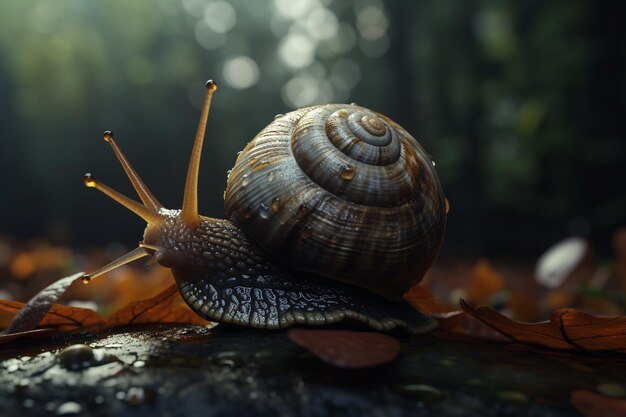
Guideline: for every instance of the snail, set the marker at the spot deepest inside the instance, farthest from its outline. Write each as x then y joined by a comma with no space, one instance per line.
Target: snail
334,211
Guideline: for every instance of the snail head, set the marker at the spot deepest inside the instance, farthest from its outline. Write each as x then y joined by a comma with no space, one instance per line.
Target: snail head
156,216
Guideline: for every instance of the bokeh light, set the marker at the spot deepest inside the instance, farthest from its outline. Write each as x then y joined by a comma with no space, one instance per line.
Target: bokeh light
517,103
241,72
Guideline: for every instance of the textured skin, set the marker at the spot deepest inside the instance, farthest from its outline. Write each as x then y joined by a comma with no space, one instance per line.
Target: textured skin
226,277
342,192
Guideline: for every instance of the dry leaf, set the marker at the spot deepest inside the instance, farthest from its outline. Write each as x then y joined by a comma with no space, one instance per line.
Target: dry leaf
165,307
591,404
347,349
59,315
462,323
592,333
540,333
57,319
158,309
567,329
485,282
423,300
36,308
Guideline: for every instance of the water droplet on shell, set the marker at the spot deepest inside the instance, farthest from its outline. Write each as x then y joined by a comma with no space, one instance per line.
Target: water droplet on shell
247,212
347,172
306,232
275,204
264,211
270,176
245,180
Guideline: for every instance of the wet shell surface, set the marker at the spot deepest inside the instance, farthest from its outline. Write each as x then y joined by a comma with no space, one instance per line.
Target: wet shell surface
342,192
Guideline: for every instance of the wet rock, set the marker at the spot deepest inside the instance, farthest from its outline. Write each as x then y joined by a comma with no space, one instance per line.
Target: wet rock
190,370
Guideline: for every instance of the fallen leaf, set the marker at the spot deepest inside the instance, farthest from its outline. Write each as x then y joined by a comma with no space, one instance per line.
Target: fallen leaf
59,315
567,329
423,300
485,281
538,333
158,309
591,404
449,320
592,333
347,349
36,308
462,323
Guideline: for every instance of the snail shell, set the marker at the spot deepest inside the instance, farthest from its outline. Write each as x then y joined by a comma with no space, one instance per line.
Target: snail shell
342,192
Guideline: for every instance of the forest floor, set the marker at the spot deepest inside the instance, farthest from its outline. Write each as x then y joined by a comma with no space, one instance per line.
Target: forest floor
180,370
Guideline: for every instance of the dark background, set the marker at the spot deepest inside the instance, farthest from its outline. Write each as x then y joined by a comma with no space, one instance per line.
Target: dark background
521,105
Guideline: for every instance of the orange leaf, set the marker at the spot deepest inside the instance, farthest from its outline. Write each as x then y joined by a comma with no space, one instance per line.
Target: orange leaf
158,309
31,314
347,349
592,333
422,299
591,404
57,319
567,329
544,333
59,315
485,282
462,323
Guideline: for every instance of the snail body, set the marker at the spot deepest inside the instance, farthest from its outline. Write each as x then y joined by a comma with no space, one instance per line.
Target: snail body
334,212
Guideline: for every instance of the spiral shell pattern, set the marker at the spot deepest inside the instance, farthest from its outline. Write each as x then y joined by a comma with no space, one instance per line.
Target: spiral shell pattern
342,192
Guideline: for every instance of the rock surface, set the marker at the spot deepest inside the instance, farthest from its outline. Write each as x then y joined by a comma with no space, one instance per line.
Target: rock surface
165,370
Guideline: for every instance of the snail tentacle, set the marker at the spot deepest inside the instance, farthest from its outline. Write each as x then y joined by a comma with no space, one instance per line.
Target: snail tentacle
147,198
189,213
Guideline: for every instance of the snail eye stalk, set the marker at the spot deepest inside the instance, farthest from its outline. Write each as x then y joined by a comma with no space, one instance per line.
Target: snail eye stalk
147,198
149,215
189,213
123,260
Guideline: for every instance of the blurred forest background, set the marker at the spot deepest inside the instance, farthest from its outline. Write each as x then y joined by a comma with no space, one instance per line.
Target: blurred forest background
520,103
